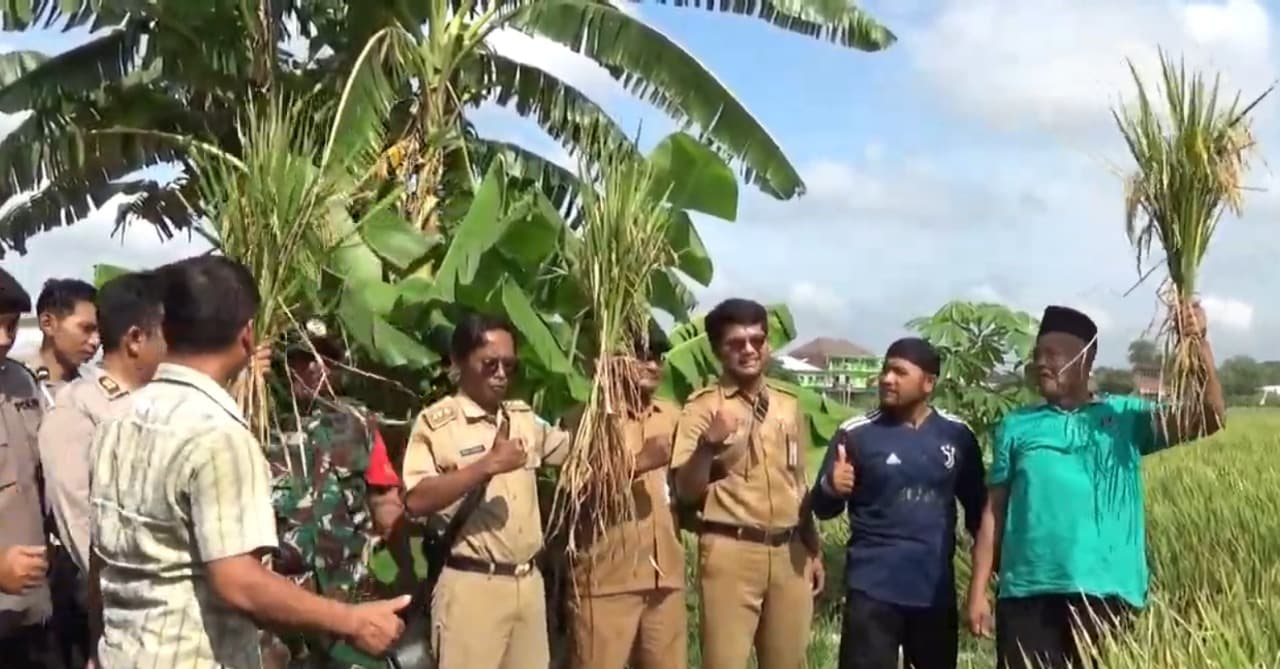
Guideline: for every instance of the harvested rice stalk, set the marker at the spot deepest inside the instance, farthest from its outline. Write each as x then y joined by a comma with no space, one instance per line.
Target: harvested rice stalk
623,244
270,210
1191,154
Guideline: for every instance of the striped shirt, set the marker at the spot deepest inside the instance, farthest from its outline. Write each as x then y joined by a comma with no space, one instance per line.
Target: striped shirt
178,481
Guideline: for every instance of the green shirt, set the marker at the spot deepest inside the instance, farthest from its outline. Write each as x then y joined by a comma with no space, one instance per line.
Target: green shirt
1074,521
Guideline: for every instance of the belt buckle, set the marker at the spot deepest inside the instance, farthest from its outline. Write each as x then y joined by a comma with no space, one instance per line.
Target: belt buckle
523,568
738,532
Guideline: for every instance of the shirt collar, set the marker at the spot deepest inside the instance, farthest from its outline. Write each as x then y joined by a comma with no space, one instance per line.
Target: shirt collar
470,410
186,376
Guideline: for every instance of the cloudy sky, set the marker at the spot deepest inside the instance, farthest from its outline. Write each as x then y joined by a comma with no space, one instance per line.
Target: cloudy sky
976,159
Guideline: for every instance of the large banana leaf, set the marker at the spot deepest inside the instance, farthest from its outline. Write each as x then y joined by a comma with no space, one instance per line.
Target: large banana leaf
565,113
87,67
831,20
654,67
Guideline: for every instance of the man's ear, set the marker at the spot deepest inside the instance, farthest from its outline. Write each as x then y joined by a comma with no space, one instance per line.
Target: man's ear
48,323
133,340
929,382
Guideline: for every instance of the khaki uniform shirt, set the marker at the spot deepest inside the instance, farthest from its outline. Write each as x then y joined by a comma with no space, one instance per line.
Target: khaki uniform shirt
506,527
21,516
48,387
758,480
178,481
65,434
645,553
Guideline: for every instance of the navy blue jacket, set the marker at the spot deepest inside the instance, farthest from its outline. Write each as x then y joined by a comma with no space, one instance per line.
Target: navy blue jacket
902,513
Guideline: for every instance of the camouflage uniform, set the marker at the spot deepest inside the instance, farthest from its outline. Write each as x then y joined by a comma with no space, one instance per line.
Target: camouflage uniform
326,534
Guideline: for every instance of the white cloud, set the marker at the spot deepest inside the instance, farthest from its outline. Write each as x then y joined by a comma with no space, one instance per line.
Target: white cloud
1226,312
72,251
806,295
1061,64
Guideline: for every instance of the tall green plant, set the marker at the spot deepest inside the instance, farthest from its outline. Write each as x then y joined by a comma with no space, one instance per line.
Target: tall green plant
985,348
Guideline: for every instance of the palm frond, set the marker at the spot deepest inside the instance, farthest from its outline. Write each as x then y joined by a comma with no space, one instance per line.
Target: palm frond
837,21
565,113
655,68
88,67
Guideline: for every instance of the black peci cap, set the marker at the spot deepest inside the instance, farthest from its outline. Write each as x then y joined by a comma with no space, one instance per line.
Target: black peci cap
1068,321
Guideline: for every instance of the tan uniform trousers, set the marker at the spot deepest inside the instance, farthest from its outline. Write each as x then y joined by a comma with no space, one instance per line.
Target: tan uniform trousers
640,630
489,622
753,595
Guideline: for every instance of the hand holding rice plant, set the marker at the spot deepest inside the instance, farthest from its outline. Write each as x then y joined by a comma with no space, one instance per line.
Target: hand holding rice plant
1191,158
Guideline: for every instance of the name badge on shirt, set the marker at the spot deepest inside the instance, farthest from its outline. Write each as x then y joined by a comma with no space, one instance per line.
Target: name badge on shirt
474,450
793,452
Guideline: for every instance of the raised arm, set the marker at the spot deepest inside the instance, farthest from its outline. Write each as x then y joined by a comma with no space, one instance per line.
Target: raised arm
702,434
827,502
431,490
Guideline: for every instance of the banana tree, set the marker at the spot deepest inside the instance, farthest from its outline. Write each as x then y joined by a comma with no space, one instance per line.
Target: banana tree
186,68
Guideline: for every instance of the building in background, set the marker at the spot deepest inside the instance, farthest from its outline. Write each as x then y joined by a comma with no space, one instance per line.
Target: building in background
837,368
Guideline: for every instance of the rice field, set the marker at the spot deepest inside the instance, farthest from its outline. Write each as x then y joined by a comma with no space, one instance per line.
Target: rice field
1213,511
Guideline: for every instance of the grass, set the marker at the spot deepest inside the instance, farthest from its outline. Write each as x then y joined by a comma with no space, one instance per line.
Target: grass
1213,537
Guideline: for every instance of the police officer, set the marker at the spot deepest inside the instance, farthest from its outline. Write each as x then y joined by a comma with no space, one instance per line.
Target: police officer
69,327
321,488
131,309
478,452
25,637
630,607
739,457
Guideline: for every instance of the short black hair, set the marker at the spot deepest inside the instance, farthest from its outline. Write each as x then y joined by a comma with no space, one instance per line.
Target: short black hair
13,298
128,301
734,311
60,296
207,302
468,334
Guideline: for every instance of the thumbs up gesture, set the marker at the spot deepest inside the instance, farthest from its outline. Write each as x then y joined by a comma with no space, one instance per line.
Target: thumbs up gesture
507,454
842,477
723,424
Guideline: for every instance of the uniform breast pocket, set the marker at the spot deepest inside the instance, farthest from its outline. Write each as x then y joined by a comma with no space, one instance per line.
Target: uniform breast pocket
469,455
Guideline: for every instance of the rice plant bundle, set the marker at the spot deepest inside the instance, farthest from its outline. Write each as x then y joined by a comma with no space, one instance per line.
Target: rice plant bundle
623,244
1192,149
269,210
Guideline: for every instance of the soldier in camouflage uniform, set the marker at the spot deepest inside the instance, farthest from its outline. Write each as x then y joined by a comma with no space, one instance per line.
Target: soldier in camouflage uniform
324,488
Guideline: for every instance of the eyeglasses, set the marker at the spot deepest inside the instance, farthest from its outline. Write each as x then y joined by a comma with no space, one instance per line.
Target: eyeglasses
490,366
740,344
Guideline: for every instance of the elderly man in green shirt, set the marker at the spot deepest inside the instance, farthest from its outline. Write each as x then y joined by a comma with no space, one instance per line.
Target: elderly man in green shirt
1064,518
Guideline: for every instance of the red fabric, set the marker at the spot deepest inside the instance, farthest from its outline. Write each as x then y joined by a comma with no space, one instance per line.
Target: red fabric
380,472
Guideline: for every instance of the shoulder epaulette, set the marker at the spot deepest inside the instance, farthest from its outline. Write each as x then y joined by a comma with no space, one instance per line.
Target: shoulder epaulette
439,414
778,387
702,391
516,405
110,387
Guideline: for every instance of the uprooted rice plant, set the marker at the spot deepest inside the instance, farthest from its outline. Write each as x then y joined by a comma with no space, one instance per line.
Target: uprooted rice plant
1191,150
623,243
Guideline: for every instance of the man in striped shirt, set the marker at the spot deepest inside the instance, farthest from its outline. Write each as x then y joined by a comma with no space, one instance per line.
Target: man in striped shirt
182,516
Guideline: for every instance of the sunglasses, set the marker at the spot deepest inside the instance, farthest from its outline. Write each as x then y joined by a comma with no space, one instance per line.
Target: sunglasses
490,366
740,344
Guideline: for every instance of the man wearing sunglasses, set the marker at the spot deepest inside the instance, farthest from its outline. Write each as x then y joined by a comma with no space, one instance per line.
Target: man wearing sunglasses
470,466
630,608
739,459
1064,518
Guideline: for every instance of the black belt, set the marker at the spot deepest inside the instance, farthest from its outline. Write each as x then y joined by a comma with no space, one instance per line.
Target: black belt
491,568
752,534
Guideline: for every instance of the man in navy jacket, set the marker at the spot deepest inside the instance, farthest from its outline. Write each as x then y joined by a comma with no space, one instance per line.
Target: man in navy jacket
898,472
